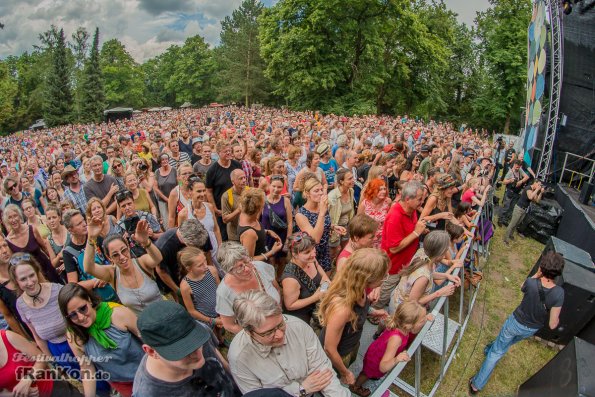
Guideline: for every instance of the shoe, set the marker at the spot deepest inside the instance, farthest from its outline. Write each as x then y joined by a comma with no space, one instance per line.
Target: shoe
472,391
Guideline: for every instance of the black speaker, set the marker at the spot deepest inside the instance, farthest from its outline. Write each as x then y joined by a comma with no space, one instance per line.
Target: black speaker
586,192
568,374
588,332
578,281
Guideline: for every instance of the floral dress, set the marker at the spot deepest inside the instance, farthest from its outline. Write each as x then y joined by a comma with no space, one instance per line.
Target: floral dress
323,255
379,215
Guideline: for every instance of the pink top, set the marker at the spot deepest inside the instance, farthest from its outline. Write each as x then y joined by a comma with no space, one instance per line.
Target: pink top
379,215
378,348
467,197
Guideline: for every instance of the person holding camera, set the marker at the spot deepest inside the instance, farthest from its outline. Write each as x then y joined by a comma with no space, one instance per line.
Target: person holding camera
514,181
531,193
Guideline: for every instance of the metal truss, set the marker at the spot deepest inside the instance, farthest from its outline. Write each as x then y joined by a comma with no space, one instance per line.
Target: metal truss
556,72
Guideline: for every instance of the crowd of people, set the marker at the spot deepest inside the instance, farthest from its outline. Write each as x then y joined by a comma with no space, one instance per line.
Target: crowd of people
229,251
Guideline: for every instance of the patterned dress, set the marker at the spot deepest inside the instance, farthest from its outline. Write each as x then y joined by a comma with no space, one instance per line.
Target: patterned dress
379,215
323,255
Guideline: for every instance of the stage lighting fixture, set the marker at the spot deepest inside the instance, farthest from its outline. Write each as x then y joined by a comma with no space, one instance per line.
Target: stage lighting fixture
567,6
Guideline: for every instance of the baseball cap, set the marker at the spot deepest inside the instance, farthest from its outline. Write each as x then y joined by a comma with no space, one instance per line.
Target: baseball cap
425,148
196,140
168,328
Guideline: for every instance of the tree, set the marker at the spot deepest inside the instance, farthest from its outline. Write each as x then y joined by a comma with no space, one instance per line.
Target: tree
124,80
502,31
8,92
79,47
59,102
93,94
241,68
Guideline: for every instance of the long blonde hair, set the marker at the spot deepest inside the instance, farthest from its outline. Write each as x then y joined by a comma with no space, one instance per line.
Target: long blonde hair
364,266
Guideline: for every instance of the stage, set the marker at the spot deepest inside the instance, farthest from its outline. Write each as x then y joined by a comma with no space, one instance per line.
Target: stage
577,226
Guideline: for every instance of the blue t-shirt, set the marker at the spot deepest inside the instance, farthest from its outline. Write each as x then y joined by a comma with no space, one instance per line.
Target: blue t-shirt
330,169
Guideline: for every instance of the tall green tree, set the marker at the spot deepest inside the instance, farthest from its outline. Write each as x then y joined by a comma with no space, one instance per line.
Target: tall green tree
241,68
123,77
502,32
59,103
8,92
79,45
93,93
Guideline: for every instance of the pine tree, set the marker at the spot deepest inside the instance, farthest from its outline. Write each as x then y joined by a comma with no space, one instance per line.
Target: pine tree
93,101
59,101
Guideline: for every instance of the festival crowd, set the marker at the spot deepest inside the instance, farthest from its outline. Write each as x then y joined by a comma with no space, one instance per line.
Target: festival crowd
232,251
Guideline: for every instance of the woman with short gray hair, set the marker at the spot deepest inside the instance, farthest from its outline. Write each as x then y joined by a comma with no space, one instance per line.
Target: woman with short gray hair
251,308
242,274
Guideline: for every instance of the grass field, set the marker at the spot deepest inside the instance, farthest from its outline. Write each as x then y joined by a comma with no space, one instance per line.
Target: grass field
504,272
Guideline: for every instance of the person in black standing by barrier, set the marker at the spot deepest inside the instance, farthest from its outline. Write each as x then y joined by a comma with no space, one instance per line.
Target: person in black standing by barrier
509,158
541,306
514,180
531,193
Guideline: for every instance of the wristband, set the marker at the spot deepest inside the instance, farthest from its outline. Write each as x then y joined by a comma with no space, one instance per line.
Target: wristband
92,242
416,233
148,244
213,323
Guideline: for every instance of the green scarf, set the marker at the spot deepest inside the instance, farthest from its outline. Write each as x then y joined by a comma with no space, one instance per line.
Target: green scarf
103,321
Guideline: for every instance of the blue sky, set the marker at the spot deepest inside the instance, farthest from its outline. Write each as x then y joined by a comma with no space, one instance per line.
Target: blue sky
146,27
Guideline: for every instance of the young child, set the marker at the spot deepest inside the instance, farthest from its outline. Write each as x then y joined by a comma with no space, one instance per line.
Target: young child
389,349
455,250
199,288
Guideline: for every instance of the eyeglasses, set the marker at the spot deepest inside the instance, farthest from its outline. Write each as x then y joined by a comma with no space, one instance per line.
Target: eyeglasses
82,310
123,195
122,253
270,333
18,258
240,267
277,178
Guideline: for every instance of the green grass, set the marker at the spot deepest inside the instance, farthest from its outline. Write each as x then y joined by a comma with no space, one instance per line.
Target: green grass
504,273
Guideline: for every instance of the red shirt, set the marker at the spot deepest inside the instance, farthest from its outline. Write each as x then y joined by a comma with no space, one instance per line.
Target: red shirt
467,197
397,226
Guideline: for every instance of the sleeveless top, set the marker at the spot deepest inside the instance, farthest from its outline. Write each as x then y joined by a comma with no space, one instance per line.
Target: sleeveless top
123,361
136,299
204,294
440,223
279,209
166,183
34,249
47,321
377,349
350,337
379,215
209,224
260,245
14,364
142,201
404,288
55,246
285,185
323,255
183,202
308,287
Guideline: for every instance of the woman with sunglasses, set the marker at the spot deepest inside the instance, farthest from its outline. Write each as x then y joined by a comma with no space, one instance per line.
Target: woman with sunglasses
411,170
166,180
116,170
103,336
304,280
25,238
181,195
37,305
133,279
345,306
242,274
13,191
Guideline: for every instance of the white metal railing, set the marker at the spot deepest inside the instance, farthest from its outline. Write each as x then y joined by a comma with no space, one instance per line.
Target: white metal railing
441,312
573,173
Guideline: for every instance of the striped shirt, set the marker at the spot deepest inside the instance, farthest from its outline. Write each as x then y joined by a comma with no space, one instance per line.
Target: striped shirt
204,294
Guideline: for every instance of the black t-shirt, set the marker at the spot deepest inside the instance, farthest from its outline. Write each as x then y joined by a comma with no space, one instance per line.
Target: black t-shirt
194,158
70,262
508,154
169,244
531,312
219,179
391,182
524,199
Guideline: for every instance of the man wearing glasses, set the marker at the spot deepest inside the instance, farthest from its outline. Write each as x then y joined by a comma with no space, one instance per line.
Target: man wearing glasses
277,351
130,218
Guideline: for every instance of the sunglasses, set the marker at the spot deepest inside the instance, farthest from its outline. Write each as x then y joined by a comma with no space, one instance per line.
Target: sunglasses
277,178
296,238
82,310
270,333
123,195
18,258
122,253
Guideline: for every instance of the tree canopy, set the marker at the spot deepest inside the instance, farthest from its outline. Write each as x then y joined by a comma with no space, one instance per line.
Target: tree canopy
348,57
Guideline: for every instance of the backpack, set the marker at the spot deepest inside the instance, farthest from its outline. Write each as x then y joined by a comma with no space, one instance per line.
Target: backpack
106,293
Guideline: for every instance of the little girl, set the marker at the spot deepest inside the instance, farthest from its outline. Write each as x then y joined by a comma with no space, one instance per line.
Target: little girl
455,251
389,349
199,288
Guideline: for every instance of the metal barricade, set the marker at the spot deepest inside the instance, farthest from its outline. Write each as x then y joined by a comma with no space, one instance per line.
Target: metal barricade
438,336
575,173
